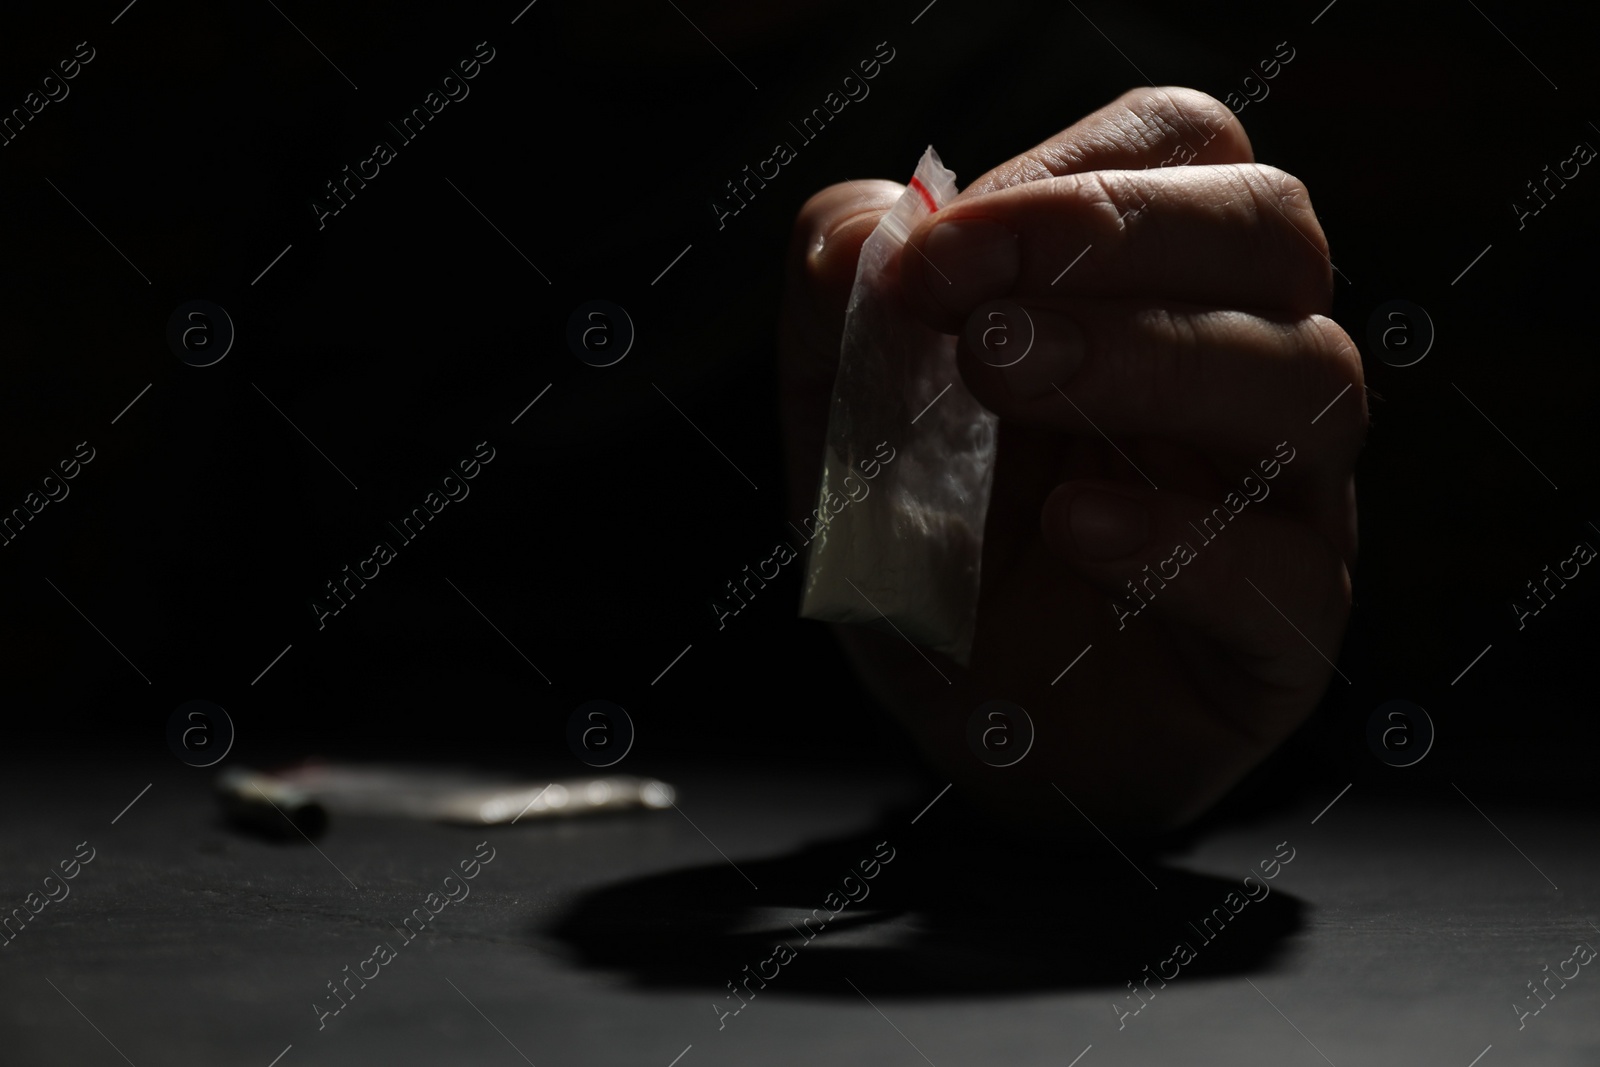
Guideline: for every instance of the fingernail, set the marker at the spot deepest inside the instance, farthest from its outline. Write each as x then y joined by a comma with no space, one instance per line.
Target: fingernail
1105,527
969,261
1058,349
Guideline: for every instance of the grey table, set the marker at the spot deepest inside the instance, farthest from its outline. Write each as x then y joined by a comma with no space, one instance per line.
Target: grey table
1396,935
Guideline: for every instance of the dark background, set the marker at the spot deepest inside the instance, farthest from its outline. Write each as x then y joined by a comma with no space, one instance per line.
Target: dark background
408,330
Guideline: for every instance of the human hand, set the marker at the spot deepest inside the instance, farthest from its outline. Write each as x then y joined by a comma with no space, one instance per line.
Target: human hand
1178,341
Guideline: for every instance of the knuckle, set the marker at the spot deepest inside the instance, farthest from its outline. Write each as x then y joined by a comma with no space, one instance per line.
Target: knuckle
1291,232
1102,202
1171,103
1174,113
1337,360
1332,345
1289,192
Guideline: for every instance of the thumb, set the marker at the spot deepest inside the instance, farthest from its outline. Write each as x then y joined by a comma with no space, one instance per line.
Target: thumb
1262,586
821,268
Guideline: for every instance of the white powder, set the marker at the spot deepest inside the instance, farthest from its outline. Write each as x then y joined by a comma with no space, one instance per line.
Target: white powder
915,565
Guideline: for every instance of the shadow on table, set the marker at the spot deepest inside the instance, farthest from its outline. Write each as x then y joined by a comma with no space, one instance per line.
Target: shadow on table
950,912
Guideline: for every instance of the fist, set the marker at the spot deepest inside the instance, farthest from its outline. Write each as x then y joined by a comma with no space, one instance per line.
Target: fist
1173,511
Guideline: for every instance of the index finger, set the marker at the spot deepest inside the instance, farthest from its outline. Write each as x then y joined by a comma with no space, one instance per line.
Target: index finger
1145,127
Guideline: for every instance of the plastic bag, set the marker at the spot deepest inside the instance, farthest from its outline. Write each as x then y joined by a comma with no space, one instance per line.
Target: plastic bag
910,458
